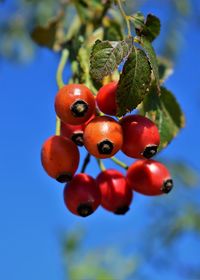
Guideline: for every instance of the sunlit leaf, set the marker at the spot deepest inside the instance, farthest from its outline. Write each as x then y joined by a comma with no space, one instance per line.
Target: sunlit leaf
134,81
152,59
165,112
106,56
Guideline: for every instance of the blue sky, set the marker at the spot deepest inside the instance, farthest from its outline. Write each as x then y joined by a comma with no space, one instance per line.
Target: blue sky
32,212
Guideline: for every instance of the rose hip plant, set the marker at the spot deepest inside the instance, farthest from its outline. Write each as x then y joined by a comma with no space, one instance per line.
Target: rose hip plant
115,100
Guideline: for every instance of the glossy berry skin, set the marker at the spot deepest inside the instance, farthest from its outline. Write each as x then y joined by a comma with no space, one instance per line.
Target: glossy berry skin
74,132
82,195
141,137
60,158
115,193
106,99
74,104
103,137
149,177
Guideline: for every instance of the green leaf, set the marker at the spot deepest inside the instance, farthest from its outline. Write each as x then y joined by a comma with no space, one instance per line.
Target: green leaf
152,27
165,111
152,59
149,28
112,30
138,20
106,56
47,36
165,69
91,10
134,81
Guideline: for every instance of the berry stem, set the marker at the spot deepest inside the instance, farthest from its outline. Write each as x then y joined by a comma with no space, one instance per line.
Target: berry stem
85,163
61,66
124,15
58,125
101,165
59,79
119,162
89,84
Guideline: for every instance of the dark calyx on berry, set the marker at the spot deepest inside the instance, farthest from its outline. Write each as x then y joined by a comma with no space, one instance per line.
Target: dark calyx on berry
150,151
64,177
167,186
105,147
84,210
79,108
121,210
77,138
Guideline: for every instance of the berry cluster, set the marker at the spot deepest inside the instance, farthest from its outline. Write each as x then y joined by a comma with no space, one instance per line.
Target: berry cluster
84,123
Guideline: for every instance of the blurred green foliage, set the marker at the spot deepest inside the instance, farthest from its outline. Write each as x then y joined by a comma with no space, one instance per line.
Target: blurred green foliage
96,264
19,20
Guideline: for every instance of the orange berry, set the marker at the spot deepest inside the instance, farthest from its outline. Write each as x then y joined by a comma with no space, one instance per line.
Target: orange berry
103,137
60,158
74,104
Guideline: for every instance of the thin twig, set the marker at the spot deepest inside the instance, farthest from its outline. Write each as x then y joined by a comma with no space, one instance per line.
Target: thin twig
85,163
101,165
124,15
59,79
119,162
61,66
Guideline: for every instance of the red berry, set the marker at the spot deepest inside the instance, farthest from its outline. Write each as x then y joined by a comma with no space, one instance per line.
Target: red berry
115,193
60,158
106,99
149,177
82,195
141,137
74,132
74,104
103,137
